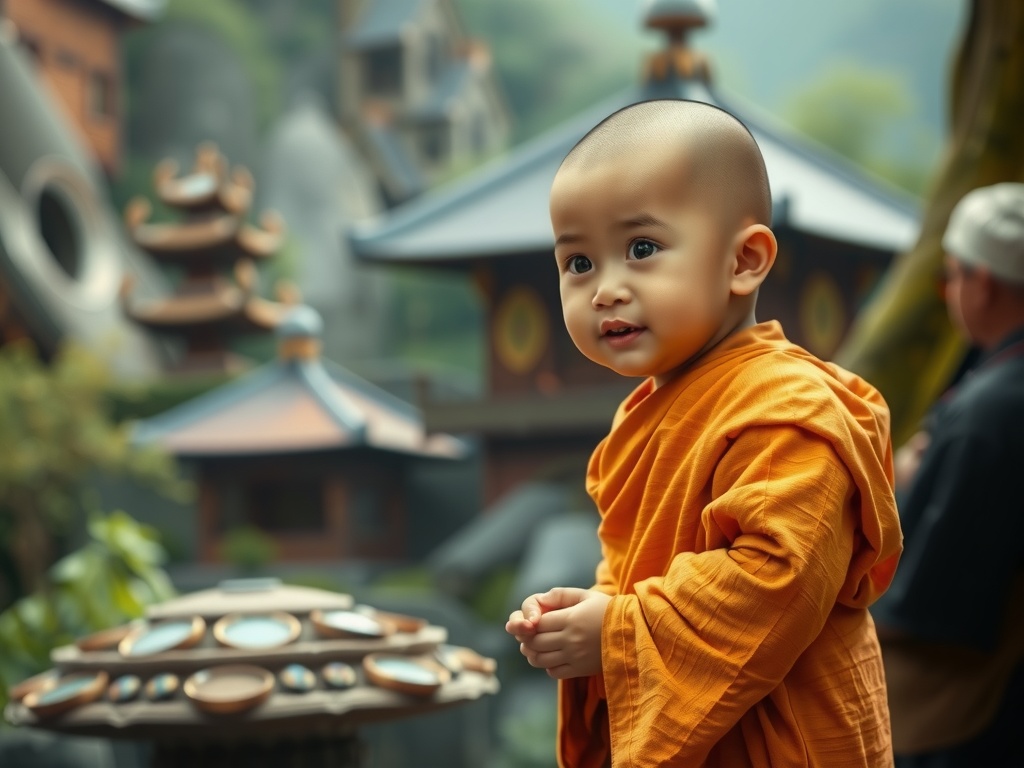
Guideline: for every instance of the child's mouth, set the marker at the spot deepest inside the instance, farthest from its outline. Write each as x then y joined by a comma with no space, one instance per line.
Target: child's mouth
622,336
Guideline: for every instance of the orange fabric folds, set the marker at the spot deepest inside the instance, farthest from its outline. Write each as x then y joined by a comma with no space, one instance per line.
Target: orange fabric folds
748,521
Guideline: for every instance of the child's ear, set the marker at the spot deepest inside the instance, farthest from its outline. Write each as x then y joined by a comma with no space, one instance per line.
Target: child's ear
755,249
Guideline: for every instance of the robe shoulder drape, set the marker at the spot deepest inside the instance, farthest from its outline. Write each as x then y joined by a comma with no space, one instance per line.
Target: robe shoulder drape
747,522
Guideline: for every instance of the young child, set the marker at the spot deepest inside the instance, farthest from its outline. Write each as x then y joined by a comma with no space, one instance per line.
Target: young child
745,488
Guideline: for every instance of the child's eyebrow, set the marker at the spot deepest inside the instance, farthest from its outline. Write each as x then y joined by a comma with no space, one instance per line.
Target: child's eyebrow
567,238
642,220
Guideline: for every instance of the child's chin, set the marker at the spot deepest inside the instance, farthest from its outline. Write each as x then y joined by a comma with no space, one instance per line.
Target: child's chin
630,372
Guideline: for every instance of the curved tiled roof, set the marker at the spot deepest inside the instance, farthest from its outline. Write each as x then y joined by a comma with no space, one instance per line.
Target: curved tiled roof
382,21
293,405
503,207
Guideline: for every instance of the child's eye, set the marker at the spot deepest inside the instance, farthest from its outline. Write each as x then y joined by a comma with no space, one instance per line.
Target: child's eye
577,265
642,249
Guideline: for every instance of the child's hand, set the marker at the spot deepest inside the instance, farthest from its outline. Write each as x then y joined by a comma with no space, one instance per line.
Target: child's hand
561,631
523,623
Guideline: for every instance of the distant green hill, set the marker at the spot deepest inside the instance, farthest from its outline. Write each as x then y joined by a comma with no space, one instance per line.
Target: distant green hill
556,57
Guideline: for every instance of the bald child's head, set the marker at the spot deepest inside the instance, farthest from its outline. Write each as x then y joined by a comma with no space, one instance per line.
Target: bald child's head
661,218
717,158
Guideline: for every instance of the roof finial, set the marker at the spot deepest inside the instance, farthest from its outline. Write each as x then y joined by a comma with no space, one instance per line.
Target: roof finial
298,334
676,18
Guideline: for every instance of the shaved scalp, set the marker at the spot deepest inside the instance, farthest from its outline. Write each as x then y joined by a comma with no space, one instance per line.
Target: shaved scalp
722,161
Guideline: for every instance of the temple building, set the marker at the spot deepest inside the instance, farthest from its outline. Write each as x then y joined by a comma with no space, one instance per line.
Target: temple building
416,94
545,405
76,48
209,243
63,253
305,451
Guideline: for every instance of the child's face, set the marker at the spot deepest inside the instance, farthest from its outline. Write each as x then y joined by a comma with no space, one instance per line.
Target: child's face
644,264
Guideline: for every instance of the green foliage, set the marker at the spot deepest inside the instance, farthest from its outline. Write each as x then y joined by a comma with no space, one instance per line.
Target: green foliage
247,36
249,549
55,430
141,400
439,319
528,740
108,582
414,579
849,109
318,580
491,597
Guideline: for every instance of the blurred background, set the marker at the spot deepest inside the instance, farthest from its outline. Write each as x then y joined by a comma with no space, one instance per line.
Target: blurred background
276,295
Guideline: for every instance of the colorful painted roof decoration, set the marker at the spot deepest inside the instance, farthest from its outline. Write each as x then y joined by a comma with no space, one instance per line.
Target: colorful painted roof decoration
502,208
298,402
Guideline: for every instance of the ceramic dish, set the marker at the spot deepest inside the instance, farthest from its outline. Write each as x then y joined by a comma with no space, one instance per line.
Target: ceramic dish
67,692
339,675
458,658
162,687
296,678
34,683
400,621
350,624
169,635
257,631
229,689
105,639
415,675
124,688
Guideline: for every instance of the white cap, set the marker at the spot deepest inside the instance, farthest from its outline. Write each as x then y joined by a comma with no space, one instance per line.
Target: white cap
986,228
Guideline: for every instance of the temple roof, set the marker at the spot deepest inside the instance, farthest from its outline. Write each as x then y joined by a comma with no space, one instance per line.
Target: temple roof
296,403
225,305
502,208
221,239
437,103
382,21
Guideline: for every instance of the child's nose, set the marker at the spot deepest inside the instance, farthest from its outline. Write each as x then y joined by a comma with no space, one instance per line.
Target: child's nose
610,291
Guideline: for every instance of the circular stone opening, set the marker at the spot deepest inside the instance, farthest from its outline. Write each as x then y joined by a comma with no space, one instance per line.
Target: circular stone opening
60,231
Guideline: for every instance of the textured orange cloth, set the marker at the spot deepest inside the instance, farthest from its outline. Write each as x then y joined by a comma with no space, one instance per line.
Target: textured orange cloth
747,522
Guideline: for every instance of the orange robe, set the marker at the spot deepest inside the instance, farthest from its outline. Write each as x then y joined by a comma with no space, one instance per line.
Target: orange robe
747,522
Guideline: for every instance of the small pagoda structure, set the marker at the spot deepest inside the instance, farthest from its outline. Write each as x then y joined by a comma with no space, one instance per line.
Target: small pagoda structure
303,450
214,250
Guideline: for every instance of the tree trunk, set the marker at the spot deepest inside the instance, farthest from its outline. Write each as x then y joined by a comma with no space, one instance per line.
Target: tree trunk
903,342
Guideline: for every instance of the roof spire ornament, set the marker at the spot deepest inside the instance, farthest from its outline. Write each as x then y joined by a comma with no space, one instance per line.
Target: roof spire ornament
676,18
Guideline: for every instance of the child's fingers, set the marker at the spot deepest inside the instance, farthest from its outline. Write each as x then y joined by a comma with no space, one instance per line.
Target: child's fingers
532,608
517,625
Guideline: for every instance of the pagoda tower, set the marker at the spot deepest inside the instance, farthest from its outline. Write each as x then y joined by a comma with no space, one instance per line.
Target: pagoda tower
214,250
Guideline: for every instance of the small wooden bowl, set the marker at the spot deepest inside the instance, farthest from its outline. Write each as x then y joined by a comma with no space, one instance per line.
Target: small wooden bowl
106,639
415,675
35,683
162,687
228,689
350,624
458,658
168,635
400,621
337,675
257,631
67,692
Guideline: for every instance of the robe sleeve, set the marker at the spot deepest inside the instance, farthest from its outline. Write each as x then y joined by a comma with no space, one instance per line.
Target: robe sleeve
691,651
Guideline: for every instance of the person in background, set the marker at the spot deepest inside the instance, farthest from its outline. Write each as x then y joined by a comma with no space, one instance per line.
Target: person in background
952,622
